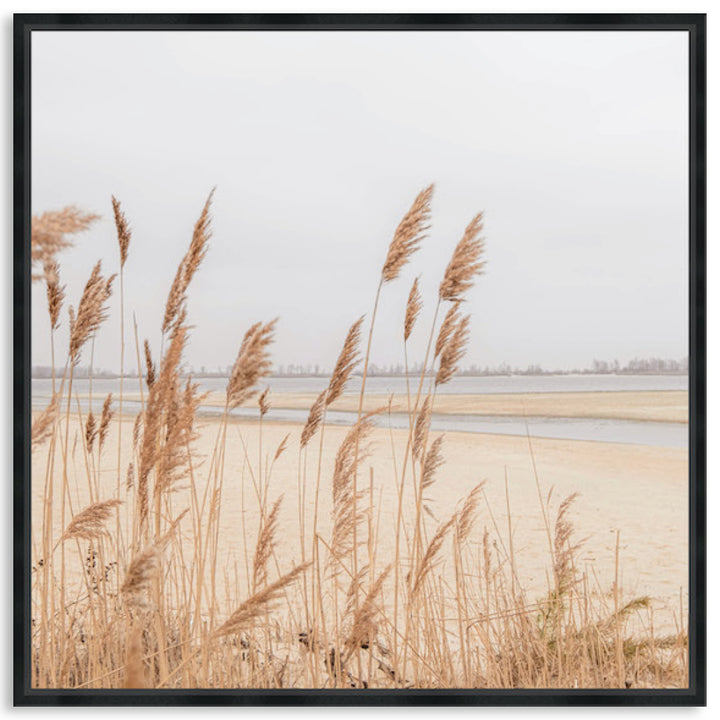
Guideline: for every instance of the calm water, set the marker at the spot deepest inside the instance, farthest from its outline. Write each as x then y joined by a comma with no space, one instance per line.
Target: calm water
620,431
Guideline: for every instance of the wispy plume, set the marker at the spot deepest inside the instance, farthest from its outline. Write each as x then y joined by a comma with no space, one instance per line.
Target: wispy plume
433,460
256,605
149,366
187,268
453,351
465,263
265,545
347,361
350,455
264,402
364,625
49,231
55,293
42,427
448,327
412,309
105,418
422,425
90,431
92,311
314,419
123,230
252,363
89,523
408,236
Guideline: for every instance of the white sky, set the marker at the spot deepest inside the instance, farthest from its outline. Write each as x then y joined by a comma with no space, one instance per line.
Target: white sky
574,145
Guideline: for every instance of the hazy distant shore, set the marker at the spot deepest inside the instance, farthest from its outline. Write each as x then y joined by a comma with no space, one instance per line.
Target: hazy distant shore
669,406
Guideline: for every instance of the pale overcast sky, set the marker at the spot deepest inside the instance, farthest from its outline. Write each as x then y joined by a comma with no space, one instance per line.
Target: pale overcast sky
574,144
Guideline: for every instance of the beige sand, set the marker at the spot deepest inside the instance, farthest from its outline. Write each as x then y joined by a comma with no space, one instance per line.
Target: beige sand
642,492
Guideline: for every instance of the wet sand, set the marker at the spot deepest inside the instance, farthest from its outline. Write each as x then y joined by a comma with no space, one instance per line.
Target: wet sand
656,405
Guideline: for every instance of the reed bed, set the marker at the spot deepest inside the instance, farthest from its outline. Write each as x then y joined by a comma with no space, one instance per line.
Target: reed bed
130,584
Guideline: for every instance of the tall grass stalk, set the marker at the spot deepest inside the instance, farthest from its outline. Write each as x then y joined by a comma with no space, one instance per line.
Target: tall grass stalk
197,579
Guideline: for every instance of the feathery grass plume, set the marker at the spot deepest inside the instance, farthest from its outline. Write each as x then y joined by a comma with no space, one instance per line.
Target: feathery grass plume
281,447
187,268
563,568
105,418
263,402
143,568
176,297
350,455
198,245
55,293
137,425
364,624
430,557
422,425
252,363
257,604
314,418
42,427
161,393
172,461
90,431
453,351
123,230
192,400
467,513
409,234
92,311
130,479
134,666
433,460
353,591
48,233
265,544
465,262
448,327
347,361
412,309
71,320
149,366
88,524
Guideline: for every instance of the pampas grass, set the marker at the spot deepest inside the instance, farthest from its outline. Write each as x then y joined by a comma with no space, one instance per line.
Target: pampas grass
89,523
91,313
251,365
347,361
465,263
155,599
408,236
412,309
43,425
49,234
55,292
259,603
123,231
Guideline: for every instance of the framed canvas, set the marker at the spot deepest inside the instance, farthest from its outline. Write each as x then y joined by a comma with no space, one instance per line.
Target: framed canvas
359,359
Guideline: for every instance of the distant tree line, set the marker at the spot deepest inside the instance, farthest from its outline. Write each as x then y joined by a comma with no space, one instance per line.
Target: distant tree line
636,366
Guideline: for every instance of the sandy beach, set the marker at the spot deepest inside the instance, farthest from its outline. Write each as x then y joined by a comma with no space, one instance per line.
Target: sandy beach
639,491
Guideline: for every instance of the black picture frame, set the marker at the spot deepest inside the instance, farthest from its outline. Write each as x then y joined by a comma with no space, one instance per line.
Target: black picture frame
695,27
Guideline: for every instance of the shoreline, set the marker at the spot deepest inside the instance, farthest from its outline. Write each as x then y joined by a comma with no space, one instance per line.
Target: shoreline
664,406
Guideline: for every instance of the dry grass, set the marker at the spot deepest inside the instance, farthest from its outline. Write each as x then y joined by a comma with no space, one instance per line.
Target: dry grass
138,595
